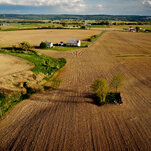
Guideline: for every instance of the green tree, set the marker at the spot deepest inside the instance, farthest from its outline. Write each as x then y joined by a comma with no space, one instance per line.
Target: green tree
100,88
117,82
43,45
83,27
137,29
25,45
65,24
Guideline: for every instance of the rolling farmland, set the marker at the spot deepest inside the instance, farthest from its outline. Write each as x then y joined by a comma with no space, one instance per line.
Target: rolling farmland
66,118
36,36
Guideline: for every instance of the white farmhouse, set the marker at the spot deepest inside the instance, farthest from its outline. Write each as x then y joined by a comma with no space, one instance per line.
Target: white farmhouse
74,43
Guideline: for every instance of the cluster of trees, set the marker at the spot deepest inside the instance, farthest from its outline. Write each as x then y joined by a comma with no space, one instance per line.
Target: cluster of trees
101,88
76,17
25,46
101,23
131,23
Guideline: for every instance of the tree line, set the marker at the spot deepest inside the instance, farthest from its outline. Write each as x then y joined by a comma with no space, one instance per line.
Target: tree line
77,17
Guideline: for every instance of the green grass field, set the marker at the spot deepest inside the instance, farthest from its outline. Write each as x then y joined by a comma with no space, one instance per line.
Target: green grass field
97,26
133,56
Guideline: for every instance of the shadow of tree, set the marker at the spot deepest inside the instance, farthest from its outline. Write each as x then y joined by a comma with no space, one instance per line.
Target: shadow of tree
111,98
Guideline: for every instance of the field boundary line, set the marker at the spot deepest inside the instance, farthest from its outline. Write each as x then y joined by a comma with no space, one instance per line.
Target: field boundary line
91,43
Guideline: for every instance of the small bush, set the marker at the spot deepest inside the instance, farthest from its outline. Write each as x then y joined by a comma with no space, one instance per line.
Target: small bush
25,46
43,45
83,27
33,88
7,99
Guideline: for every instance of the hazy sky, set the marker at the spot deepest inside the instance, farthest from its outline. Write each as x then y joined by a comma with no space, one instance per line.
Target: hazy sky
112,7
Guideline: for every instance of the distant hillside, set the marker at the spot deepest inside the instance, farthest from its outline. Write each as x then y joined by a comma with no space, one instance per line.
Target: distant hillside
77,17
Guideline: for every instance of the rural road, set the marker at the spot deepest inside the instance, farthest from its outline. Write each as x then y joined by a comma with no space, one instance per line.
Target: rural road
65,119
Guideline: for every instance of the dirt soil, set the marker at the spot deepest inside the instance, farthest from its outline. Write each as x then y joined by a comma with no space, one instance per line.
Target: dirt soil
66,119
10,65
9,38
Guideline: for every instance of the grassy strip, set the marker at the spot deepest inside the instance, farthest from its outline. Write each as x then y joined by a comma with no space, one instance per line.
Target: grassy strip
133,56
47,65
97,26
64,48
38,28
31,28
94,38
7,103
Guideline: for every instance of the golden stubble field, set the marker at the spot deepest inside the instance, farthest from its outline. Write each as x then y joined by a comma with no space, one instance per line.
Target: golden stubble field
66,119
10,65
9,38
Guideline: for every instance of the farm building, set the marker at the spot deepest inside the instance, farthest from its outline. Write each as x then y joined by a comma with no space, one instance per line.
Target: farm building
74,43
49,44
131,29
61,44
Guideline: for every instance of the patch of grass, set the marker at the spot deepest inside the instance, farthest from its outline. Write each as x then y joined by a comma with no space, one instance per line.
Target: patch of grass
55,82
30,28
84,44
133,56
8,102
64,48
97,26
16,29
28,24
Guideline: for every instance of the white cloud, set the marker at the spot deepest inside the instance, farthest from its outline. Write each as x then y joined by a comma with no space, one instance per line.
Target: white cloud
148,2
74,6
41,2
100,7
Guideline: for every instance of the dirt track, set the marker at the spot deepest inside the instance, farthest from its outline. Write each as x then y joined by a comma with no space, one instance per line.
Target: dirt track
65,119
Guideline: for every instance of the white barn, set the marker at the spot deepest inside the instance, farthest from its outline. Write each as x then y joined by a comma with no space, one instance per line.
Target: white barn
74,43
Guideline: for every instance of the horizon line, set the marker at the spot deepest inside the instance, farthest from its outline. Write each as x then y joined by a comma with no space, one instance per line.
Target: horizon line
73,14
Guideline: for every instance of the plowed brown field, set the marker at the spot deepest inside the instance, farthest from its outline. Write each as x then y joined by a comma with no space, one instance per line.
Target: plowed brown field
65,119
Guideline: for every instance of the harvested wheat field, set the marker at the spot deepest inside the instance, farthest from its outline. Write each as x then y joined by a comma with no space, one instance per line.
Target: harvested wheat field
10,65
9,38
66,119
